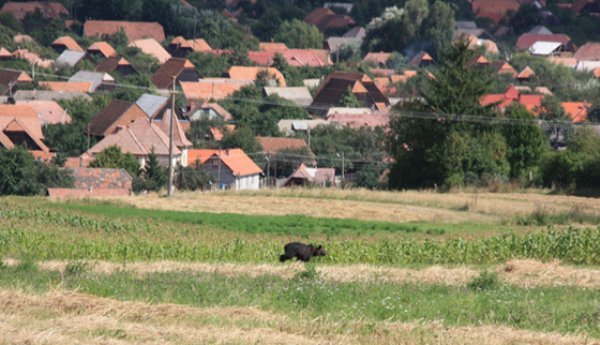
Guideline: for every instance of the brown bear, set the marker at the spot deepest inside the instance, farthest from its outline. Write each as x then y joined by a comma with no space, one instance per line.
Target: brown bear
301,251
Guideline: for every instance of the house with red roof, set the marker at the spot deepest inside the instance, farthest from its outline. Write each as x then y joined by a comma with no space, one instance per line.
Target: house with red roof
95,182
577,111
274,76
212,89
181,47
182,69
294,57
230,169
532,103
305,176
325,19
527,40
116,114
65,43
19,10
101,50
140,138
49,112
21,125
133,30
337,84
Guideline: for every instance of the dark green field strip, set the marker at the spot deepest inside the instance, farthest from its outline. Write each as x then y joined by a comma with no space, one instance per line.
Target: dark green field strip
565,310
281,225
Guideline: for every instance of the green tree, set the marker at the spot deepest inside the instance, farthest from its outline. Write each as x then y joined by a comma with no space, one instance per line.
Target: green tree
298,34
525,139
154,175
192,178
113,157
242,138
21,174
209,65
349,100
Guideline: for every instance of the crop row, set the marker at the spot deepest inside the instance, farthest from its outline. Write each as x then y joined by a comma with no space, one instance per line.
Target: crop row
577,246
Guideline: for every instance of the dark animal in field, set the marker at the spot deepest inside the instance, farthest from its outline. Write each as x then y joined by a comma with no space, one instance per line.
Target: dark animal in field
301,251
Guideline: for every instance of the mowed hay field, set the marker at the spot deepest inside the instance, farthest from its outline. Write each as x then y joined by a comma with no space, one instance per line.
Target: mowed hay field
402,268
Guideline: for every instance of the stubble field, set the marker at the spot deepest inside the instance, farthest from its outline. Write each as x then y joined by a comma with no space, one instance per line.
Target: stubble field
403,268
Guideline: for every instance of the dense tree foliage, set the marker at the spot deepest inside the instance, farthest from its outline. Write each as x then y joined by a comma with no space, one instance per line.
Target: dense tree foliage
416,26
298,34
23,175
113,157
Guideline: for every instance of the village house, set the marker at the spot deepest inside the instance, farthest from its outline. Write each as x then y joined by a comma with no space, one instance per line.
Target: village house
19,10
95,182
152,47
101,50
10,81
118,113
182,69
216,89
180,47
336,86
116,64
299,95
325,19
21,125
230,169
49,112
133,30
65,43
305,176
69,58
273,75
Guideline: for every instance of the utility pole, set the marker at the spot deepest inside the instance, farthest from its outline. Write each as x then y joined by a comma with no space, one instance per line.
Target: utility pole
269,169
170,185
343,167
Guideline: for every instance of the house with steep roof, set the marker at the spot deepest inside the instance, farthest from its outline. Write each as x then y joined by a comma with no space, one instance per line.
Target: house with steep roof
140,138
181,47
11,80
69,58
180,140
100,80
337,84
152,47
133,30
294,57
19,10
20,125
305,176
65,43
344,117
380,58
95,182
494,10
503,67
588,57
420,60
532,103
117,113
325,19
275,77
212,89
274,145
116,64
526,74
152,105
101,50
207,110
67,86
182,69
230,169
49,112
577,111
299,95
527,40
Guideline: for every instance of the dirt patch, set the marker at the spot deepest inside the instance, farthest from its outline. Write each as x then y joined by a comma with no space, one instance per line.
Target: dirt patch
524,273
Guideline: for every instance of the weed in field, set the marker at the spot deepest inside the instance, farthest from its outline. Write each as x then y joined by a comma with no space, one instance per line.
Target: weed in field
485,281
76,268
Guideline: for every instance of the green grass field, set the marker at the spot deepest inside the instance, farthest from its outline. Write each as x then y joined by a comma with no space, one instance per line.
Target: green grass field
35,230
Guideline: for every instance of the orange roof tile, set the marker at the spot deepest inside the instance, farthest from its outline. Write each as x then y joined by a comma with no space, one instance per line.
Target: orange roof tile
50,112
5,53
526,73
206,90
273,145
577,111
67,86
133,30
103,48
272,46
596,72
151,47
235,159
250,73
68,42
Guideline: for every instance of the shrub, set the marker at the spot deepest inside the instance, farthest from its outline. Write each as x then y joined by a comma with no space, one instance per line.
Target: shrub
484,281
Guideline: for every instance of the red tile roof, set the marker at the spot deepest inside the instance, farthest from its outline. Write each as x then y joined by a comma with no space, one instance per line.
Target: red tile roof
50,112
68,193
533,103
196,44
588,52
526,74
67,86
179,138
163,78
20,118
133,30
526,40
116,113
235,159
250,73
325,19
101,178
68,43
48,9
577,111
150,46
273,145
294,57
494,9
272,46
103,48
378,58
